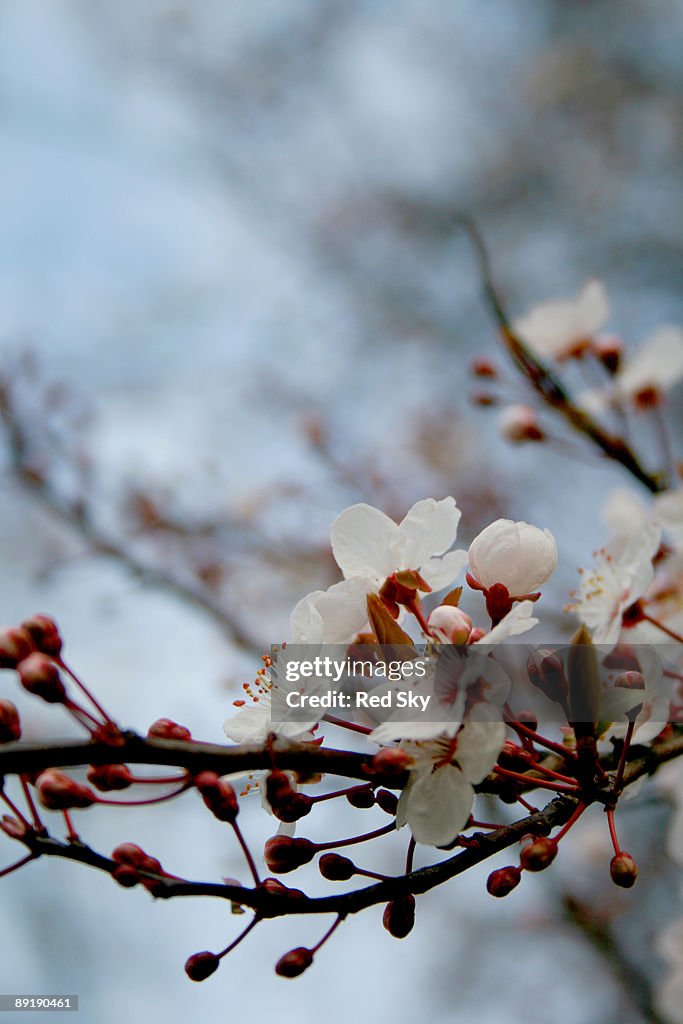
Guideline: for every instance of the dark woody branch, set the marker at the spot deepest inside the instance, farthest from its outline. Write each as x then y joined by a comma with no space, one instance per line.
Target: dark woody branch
268,904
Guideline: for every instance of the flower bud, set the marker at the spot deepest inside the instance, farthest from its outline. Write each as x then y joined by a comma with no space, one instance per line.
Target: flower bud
623,870
201,966
218,796
129,853
361,797
39,675
15,645
165,729
630,681
44,633
278,787
399,916
336,868
10,726
527,718
12,827
538,854
391,761
483,367
286,853
516,555
546,673
294,963
503,881
387,801
450,625
59,792
608,350
276,888
296,806
519,423
126,875
109,777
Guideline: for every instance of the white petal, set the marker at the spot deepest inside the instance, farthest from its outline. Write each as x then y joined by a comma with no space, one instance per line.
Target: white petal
305,622
343,609
364,542
669,512
429,528
479,743
593,307
442,572
658,363
436,805
250,725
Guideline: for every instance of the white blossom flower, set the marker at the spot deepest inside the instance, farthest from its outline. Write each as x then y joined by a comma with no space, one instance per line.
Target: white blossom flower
649,707
517,555
519,423
668,512
370,546
619,578
438,798
564,328
654,369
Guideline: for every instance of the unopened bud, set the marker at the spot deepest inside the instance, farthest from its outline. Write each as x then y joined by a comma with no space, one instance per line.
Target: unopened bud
15,645
39,675
527,718
10,725
294,807
399,916
294,963
336,868
201,966
165,729
503,881
608,350
126,875
58,792
44,633
12,827
623,870
483,399
218,796
276,888
287,853
450,624
519,423
129,853
546,673
361,797
391,761
387,801
538,854
630,681
109,777
483,367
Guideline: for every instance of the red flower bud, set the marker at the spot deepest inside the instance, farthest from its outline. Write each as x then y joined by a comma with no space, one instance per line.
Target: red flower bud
109,777
503,881
278,787
12,827
298,805
391,761
57,791
286,853
218,796
361,797
484,367
44,633
336,868
126,875
399,916
623,870
165,729
129,853
537,855
276,888
387,801
10,726
15,645
294,963
201,966
39,675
